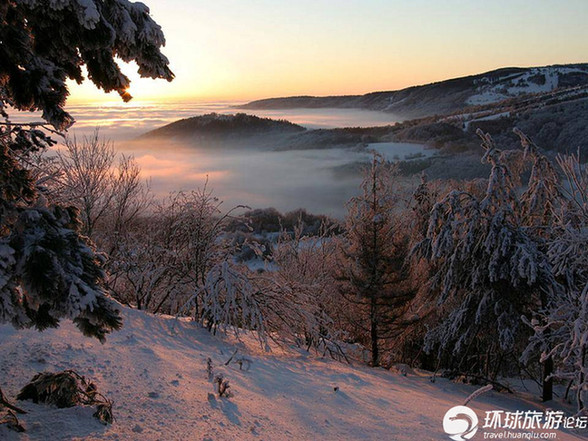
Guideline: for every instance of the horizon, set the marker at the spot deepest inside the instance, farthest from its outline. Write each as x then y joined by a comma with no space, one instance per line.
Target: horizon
277,49
112,99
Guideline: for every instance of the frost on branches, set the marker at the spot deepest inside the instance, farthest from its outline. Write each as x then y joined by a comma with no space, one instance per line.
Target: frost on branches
47,270
492,268
561,329
45,43
229,301
508,254
297,295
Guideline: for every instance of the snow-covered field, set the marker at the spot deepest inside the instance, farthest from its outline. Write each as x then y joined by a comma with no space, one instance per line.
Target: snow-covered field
155,371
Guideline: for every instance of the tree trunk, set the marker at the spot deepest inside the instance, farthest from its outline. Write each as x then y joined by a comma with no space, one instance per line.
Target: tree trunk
547,383
374,332
547,372
547,365
581,382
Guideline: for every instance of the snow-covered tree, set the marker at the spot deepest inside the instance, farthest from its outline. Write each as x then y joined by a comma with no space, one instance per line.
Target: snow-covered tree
542,197
491,267
47,270
561,328
46,43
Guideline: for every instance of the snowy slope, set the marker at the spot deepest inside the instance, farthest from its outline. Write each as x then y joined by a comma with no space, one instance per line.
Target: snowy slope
535,80
155,370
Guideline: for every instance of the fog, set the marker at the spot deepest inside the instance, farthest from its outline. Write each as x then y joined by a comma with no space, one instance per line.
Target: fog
321,181
120,121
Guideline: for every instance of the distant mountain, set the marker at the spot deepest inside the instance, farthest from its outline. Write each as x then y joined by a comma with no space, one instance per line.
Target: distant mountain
550,104
214,126
448,96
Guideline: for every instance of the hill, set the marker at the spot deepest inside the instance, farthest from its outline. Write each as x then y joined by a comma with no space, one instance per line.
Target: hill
155,371
214,126
447,96
556,121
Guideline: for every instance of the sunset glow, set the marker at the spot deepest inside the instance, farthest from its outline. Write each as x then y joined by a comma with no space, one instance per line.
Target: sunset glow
232,50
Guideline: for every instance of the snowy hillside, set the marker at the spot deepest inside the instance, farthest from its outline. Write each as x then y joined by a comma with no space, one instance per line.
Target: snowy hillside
535,80
155,371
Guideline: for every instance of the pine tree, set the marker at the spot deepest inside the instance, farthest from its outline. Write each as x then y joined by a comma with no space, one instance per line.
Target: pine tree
47,270
45,43
491,268
373,251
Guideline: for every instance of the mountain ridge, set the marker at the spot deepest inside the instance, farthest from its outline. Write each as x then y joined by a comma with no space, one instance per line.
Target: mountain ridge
447,96
548,103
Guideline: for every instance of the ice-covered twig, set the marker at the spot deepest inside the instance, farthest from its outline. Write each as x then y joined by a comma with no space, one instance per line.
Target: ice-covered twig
477,393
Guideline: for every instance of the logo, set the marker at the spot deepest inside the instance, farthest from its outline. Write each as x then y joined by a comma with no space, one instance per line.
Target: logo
460,423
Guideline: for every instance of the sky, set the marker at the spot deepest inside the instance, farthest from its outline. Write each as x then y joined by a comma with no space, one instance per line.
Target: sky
235,50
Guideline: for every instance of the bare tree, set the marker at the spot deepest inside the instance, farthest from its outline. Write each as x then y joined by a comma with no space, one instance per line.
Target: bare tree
131,199
87,177
109,194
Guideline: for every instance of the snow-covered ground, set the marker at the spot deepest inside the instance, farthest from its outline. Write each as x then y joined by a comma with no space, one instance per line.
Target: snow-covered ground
155,371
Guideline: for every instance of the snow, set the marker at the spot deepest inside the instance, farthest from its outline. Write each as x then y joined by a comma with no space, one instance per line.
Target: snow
90,16
509,86
155,371
486,97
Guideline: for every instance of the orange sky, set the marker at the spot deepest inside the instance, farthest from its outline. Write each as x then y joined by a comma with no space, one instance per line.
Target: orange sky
235,50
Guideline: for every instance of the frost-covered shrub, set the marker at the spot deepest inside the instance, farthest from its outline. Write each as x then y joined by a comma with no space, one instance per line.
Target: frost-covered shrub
229,299
165,257
297,294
